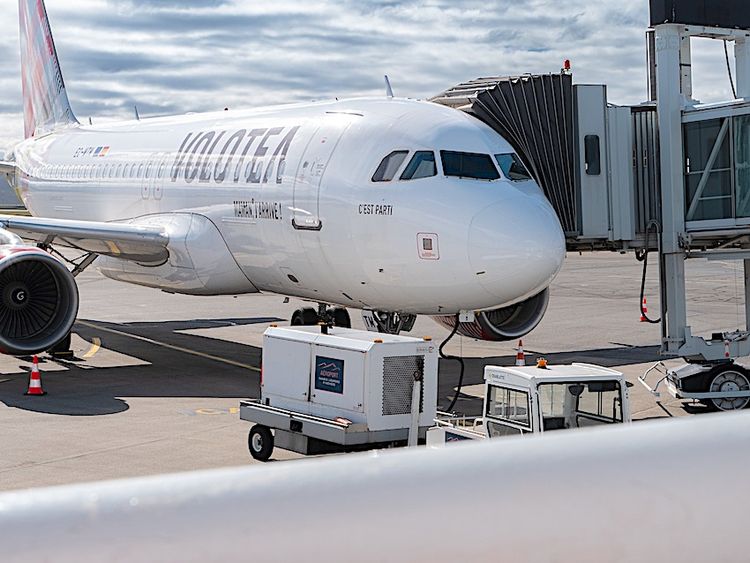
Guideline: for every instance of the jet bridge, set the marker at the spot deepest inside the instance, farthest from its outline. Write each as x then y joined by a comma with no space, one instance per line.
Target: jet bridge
670,174
578,148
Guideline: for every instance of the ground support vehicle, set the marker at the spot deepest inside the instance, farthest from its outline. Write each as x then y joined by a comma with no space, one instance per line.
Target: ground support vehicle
534,400
330,389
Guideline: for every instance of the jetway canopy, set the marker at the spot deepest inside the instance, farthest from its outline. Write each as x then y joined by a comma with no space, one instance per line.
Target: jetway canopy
535,113
580,151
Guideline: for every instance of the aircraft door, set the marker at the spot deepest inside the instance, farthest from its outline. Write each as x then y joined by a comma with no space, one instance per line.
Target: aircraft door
159,175
146,178
310,174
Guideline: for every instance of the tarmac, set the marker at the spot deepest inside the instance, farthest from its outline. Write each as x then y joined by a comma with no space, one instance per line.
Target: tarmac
156,380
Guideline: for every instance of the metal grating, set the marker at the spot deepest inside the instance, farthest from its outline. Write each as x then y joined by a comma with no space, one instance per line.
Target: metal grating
534,113
398,383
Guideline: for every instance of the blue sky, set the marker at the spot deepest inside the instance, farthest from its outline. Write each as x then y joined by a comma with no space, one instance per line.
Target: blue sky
174,56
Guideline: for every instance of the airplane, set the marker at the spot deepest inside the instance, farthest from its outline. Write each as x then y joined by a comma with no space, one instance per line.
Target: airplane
396,207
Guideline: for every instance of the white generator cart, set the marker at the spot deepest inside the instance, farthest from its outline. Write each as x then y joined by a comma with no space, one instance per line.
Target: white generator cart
326,390
525,400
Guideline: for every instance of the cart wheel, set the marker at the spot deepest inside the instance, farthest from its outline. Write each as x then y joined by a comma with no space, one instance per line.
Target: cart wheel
260,442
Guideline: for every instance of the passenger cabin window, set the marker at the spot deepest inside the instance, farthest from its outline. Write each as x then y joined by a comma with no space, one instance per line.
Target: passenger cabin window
421,165
512,167
469,165
389,166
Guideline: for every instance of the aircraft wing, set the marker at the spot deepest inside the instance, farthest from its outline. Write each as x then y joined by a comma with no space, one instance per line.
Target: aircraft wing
140,243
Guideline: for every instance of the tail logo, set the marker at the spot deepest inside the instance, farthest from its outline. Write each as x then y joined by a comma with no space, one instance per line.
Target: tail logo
46,103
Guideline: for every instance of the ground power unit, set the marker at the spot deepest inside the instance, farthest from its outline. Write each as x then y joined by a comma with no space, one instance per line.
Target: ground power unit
335,389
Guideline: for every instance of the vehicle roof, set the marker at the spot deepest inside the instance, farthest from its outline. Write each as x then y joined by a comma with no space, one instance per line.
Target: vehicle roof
552,373
361,340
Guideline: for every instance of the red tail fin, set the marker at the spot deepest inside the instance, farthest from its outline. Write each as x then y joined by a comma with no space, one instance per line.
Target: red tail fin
45,102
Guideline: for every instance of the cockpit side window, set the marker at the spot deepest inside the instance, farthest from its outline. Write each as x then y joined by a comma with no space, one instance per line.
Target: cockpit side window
421,165
469,165
389,166
512,167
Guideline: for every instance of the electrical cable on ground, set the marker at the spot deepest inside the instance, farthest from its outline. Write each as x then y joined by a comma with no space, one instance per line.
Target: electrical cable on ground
459,360
642,256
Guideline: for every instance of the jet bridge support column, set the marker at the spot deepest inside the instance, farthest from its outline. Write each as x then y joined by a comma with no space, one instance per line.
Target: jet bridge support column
669,103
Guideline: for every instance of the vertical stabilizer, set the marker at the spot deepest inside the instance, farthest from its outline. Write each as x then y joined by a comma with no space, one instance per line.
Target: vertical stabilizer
45,102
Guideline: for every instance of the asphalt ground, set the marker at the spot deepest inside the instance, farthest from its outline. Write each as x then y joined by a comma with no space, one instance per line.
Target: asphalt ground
156,379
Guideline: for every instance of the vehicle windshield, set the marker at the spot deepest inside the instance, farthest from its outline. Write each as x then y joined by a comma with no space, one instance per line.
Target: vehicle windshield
512,167
469,165
509,405
575,405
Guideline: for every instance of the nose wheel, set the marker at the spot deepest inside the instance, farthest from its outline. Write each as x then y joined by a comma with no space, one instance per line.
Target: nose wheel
336,316
388,322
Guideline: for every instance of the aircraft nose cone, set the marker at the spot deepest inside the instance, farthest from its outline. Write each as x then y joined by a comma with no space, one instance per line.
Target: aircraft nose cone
516,247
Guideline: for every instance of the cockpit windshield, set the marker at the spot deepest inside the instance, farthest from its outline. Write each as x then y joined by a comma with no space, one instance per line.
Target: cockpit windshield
389,166
512,167
422,165
469,165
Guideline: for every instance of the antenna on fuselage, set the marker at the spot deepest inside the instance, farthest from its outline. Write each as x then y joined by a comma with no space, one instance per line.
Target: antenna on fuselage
91,121
388,89
137,115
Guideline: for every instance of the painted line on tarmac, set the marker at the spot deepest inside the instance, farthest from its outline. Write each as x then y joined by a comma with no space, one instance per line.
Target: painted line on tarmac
96,344
170,346
4,380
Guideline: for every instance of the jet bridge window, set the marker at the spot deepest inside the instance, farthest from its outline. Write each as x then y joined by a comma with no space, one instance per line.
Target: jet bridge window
421,165
389,166
708,170
512,167
742,164
469,165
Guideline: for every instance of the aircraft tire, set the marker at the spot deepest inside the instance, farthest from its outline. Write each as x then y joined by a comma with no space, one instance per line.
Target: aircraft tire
305,317
62,348
341,318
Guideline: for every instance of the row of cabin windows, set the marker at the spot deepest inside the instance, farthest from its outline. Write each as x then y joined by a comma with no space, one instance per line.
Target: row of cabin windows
456,164
100,172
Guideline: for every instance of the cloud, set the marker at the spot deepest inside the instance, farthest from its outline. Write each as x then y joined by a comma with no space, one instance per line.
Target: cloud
174,56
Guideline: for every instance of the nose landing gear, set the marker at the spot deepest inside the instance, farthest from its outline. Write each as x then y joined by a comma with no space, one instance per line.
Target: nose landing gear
388,323
336,316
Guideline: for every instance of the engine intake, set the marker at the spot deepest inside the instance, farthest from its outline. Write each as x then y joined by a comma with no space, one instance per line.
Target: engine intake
506,323
38,301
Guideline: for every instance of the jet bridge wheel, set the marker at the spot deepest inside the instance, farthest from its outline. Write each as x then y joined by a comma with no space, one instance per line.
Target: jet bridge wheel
260,442
726,378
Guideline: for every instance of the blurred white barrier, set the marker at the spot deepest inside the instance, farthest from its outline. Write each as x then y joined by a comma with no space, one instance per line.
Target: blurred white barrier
661,491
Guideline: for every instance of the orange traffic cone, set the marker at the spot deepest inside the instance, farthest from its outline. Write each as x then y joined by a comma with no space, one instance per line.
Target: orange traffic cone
35,381
644,311
520,358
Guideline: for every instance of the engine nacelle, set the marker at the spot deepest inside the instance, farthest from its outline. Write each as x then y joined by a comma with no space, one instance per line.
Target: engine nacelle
38,298
506,323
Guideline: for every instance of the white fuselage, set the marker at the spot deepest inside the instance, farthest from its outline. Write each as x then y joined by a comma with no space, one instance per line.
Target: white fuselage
282,200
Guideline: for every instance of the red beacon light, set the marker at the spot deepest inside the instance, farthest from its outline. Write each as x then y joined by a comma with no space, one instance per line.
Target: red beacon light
566,66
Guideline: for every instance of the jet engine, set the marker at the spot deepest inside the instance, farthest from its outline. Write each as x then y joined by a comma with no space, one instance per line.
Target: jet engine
38,298
506,323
